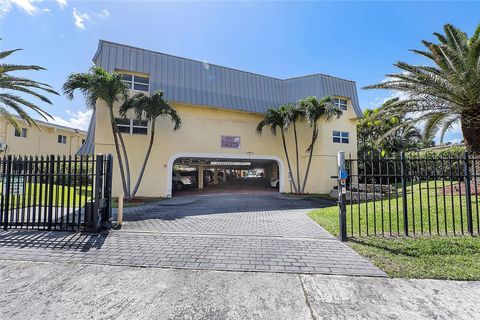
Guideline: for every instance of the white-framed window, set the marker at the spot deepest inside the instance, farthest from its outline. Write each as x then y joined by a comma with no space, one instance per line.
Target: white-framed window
340,137
62,139
340,103
132,126
21,134
137,83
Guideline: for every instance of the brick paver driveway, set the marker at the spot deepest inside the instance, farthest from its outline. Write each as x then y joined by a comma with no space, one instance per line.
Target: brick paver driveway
247,232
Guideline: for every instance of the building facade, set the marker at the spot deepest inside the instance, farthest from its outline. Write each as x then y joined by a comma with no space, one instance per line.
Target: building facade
46,139
220,108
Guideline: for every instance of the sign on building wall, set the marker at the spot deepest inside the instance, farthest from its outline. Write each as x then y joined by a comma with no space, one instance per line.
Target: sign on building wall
230,142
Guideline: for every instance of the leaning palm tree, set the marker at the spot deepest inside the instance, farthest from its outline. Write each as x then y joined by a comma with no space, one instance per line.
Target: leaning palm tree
293,114
275,118
445,92
99,84
150,108
316,109
11,85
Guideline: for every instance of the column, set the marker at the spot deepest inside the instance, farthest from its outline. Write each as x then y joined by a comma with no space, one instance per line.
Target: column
215,176
200,176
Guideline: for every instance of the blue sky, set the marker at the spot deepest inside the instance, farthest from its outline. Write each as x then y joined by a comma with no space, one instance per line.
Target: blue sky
353,40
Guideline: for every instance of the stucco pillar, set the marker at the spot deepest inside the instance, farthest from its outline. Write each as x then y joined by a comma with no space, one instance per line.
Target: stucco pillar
224,175
200,176
274,171
215,176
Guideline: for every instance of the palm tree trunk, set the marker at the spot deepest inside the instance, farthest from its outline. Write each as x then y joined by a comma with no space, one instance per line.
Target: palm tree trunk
117,149
314,138
471,132
147,155
296,150
288,161
127,164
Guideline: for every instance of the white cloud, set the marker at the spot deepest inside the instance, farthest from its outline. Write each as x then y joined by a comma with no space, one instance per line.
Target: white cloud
76,120
29,7
62,3
80,18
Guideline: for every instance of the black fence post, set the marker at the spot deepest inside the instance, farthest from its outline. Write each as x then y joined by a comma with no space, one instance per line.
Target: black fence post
342,196
404,193
97,213
107,192
468,192
6,192
51,173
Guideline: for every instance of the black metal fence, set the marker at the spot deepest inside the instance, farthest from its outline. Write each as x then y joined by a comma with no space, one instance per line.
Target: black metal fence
55,193
412,195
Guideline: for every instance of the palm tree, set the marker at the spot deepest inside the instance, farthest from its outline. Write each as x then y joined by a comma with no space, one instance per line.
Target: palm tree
99,84
316,109
447,91
150,108
9,85
293,114
276,118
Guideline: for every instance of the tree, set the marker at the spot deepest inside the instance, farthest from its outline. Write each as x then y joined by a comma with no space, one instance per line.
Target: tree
275,118
99,84
444,93
293,114
12,85
316,109
150,108
381,134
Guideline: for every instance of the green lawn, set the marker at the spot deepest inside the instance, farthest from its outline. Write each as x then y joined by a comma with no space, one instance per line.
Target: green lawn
456,258
68,196
429,212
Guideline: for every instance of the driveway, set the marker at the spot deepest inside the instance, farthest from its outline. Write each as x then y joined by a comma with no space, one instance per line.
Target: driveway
262,233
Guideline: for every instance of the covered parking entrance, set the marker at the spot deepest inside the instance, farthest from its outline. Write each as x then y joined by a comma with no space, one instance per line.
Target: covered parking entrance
222,173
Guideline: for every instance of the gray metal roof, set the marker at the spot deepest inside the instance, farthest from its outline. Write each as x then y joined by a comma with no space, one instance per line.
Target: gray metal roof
195,82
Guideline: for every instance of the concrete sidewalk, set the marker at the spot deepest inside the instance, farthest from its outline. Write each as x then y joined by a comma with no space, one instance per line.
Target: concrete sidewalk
31,290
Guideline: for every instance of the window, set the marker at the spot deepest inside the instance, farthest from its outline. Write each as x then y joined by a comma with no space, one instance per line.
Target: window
21,134
340,137
83,141
62,139
340,103
137,83
132,126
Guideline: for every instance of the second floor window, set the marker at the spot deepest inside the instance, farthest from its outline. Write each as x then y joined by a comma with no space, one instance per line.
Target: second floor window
340,137
21,134
137,83
62,139
340,103
132,126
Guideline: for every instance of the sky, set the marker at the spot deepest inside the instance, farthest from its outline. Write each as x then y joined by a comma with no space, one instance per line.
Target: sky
357,40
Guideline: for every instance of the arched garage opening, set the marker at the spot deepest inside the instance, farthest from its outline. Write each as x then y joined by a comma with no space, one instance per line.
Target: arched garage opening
200,173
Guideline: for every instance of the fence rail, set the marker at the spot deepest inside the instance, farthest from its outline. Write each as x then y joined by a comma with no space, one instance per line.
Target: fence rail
55,193
412,195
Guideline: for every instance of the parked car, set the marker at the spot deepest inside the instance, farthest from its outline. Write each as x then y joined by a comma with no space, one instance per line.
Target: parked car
275,183
182,180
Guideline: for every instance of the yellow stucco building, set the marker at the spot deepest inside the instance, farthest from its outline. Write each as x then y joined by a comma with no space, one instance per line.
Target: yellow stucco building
220,108
46,139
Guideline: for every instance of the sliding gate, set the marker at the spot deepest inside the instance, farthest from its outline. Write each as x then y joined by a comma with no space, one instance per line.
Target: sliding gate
55,193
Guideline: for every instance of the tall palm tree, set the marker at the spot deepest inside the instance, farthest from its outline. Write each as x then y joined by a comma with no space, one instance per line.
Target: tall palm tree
316,109
99,84
293,114
445,92
150,108
11,85
275,118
